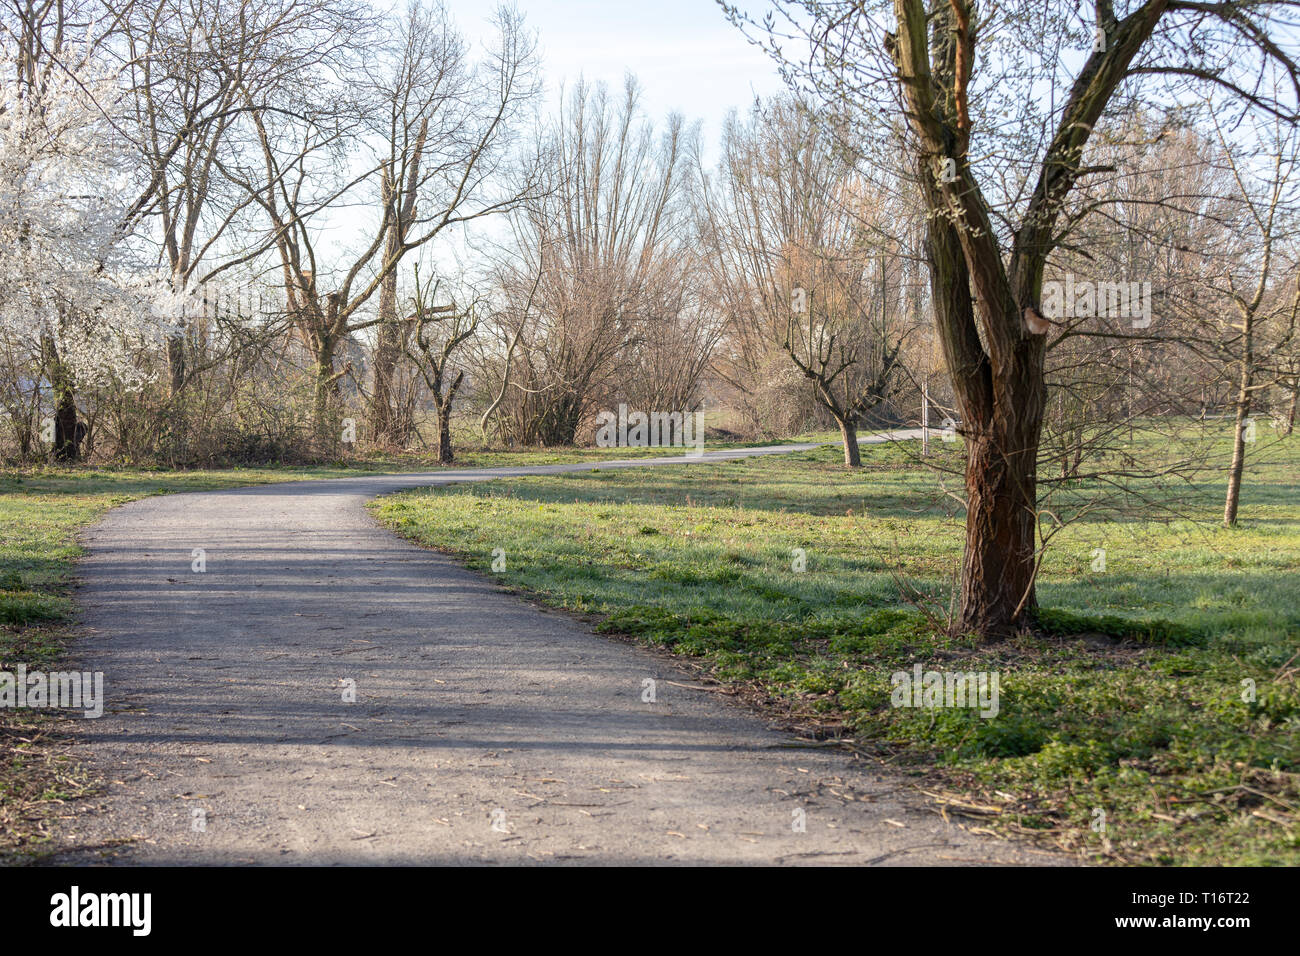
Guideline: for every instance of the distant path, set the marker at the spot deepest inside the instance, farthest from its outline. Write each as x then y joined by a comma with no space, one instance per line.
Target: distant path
473,708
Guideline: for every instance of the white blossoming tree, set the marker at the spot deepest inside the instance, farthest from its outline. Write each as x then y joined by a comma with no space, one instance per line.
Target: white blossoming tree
69,289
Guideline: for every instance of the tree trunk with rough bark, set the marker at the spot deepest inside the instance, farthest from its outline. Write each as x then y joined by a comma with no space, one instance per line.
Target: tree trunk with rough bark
986,298
442,405
445,453
849,436
175,365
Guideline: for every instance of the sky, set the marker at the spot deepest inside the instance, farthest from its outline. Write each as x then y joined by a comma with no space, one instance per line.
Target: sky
686,55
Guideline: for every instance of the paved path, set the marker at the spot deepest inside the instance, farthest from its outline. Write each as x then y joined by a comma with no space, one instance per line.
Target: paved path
484,728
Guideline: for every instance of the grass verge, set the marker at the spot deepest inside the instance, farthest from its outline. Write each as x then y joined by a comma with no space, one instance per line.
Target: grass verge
1158,696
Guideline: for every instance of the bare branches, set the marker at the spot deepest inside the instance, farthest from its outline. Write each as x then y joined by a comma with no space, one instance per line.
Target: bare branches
794,233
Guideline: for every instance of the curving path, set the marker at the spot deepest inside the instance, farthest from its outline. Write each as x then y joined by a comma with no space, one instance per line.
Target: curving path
484,728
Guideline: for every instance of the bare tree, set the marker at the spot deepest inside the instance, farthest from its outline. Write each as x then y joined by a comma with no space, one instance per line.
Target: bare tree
196,68
605,232
955,87
440,332
443,143
434,58
1244,285
794,237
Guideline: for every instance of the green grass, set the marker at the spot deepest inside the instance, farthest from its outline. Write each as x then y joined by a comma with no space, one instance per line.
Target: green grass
1127,700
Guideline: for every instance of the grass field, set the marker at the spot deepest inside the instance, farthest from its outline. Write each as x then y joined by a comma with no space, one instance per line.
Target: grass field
1125,731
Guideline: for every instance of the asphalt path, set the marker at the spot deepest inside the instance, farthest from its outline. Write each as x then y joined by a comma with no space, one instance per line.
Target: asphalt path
323,692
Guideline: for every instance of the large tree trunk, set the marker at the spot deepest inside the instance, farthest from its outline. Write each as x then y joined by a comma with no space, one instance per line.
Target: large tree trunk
175,433
998,567
445,454
998,377
1002,414
849,435
325,394
383,421
1000,563
67,442
388,347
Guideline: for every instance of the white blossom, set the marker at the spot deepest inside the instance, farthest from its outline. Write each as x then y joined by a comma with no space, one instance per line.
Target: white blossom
68,270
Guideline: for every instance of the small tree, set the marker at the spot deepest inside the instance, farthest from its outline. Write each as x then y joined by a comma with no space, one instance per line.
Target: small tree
793,231
1253,318
451,328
